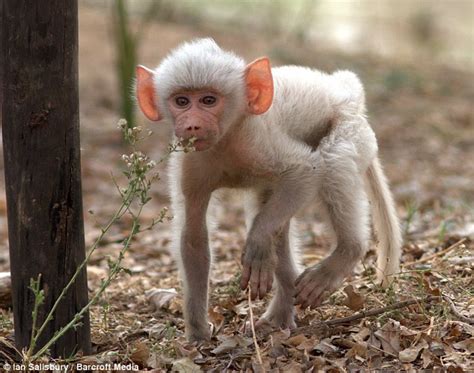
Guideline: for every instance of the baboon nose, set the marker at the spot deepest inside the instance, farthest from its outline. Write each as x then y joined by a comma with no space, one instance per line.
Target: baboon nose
193,128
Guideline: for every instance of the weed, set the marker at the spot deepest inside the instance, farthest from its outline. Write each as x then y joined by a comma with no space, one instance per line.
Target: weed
134,197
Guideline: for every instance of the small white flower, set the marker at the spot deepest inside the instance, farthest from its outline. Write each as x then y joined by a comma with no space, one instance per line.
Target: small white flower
137,129
139,156
122,123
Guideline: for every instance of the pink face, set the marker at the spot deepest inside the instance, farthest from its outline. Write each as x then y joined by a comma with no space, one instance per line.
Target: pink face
197,114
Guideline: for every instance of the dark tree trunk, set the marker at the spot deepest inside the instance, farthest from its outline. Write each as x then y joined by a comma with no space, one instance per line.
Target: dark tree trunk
40,118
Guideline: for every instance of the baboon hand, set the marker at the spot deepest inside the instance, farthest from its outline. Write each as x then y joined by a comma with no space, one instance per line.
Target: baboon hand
258,263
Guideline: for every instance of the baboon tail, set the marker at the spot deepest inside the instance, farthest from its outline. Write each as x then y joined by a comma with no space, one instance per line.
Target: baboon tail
386,224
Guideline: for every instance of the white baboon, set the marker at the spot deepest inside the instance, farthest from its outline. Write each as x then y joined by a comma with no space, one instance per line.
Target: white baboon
287,136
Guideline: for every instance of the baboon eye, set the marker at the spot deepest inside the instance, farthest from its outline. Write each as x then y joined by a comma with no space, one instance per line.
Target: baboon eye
181,101
209,100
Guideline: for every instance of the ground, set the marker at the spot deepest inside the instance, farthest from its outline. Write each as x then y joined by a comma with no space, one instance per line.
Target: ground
423,119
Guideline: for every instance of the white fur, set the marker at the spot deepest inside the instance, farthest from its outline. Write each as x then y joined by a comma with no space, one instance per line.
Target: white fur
313,145
200,64
386,224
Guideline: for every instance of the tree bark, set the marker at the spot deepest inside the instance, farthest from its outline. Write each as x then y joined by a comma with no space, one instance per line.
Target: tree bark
40,118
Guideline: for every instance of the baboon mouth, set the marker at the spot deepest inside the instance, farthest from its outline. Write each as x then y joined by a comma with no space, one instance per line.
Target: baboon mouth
200,144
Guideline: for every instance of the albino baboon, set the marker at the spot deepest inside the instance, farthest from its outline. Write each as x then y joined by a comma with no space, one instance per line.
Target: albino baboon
288,136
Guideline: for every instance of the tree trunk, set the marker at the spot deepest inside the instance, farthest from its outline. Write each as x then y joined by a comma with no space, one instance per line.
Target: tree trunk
40,118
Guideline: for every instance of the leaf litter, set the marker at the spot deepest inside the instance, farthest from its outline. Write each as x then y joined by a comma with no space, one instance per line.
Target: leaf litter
425,138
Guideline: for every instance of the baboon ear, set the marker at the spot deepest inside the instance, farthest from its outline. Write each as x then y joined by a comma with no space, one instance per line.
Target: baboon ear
259,84
146,95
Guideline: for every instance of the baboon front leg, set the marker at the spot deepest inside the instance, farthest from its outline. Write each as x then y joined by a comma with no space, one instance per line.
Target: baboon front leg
194,257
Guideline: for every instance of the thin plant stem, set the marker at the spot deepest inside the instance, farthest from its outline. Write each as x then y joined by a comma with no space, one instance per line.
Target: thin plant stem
252,325
49,317
114,271
139,183
35,287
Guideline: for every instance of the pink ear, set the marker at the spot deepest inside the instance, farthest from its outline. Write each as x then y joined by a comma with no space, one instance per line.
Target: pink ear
259,82
146,93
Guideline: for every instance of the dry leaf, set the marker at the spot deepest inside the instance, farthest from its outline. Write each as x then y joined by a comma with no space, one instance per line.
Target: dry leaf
407,332
342,342
358,349
325,346
410,354
216,318
437,348
5,290
389,336
428,358
355,301
466,231
280,336
185,365
466,345
230,343
278,350
460,260
361,335
241,308
307,345
429,288
260,368
140,353
318,363
184,349
293,367
160,298
296,340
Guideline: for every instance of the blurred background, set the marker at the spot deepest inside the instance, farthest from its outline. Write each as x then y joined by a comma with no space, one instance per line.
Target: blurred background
415,58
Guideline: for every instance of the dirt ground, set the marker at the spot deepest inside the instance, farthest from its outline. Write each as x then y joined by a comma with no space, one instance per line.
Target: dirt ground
424,121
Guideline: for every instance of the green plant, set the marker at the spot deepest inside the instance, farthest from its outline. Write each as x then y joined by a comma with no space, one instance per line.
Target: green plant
105,316
126,44
233,287
126,47
412,208
5,321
